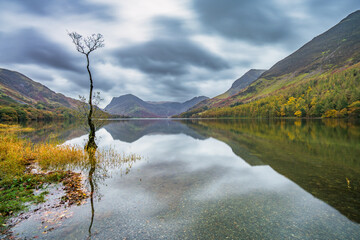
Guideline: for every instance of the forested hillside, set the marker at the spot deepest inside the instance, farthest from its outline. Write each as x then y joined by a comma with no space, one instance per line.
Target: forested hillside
331,94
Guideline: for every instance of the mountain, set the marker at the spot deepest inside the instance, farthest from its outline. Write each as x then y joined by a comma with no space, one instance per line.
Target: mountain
17,88
133,106
321,79
192,102
220,100
242,82
22,99
337,47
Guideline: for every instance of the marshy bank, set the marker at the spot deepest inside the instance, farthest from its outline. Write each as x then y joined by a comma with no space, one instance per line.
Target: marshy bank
25,172
42,176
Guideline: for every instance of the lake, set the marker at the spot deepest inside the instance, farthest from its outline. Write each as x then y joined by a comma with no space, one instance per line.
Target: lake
214,179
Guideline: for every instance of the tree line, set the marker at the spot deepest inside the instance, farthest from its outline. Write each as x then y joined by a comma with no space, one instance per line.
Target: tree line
19,113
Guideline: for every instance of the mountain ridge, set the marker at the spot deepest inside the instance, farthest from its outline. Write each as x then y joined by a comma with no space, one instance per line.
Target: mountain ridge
24,90
132,106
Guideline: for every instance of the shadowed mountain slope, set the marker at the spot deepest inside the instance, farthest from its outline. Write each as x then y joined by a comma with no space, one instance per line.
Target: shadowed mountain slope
242,82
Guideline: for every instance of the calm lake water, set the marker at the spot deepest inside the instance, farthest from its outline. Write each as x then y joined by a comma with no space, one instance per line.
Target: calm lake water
211,179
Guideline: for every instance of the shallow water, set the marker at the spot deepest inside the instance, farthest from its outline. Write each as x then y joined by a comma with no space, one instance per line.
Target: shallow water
212,179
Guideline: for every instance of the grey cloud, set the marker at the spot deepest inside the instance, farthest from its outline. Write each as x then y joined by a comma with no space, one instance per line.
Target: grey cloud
268,22
168,27
30,47
332,8
257,21
172,88
55,7
103,83
171,57
170,53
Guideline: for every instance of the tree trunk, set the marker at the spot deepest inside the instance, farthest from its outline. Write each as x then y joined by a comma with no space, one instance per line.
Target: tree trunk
91,143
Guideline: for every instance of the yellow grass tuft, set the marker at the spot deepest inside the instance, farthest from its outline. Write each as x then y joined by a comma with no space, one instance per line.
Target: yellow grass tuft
49,156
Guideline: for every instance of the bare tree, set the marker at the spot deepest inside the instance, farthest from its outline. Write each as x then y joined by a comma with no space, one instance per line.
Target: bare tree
86,45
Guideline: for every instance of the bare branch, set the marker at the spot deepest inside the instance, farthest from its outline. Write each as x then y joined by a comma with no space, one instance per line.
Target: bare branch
88,44
78,41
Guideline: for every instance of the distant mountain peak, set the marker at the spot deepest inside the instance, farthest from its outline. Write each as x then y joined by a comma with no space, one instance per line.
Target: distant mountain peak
129,96
199,98
133,106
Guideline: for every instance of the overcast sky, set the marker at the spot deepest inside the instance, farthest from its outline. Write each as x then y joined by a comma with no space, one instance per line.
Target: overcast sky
168,50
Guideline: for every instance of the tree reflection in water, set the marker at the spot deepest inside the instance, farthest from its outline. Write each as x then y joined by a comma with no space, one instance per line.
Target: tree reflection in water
98,164
92,161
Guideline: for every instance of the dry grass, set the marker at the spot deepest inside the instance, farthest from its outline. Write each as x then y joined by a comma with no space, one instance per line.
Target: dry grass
17,153
50,156
14,155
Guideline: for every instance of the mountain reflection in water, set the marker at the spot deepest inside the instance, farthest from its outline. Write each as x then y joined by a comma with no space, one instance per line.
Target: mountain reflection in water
190,184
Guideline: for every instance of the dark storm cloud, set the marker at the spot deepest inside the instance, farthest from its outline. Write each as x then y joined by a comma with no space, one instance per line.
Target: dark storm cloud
168,57
56,7
268,22
28,46
257,21
170,53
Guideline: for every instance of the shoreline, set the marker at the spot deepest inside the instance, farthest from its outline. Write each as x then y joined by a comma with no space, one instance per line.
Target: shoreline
26,179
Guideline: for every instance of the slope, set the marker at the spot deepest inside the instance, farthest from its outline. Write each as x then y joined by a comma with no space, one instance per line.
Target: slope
22,89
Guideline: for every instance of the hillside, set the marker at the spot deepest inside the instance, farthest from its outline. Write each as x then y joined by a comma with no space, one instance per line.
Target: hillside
321,79
133,106
339,46
22,98
22,89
